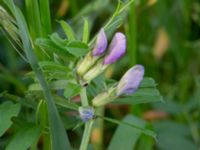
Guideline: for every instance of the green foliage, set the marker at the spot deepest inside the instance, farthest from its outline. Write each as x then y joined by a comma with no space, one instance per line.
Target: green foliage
68,30
56,126
7,111
24,138
46,96
179,141
129,135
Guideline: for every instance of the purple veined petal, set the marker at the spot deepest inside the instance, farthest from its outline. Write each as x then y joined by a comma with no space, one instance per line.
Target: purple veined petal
130,82
116,49
101,44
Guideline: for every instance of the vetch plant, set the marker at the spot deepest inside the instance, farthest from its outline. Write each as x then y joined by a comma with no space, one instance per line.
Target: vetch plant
67,76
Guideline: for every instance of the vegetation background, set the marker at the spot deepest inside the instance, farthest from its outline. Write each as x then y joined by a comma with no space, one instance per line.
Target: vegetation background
164,36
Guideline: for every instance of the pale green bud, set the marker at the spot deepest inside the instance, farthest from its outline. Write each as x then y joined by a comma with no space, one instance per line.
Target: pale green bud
86,64
97,69
105,97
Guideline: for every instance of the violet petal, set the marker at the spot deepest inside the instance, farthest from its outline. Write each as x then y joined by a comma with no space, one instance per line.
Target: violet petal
101,44
130,82
117,48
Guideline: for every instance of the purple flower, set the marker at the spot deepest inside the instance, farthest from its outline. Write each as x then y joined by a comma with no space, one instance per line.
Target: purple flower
86,113
130,82
101,43
117,48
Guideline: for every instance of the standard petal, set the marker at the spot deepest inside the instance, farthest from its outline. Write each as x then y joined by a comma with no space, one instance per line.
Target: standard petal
101,44
117,48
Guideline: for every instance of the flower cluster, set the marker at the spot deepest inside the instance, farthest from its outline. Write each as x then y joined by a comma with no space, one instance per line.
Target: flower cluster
97,61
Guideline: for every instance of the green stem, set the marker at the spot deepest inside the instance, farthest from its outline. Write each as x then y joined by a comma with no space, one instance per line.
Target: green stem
86,135
83,94
88,125
98,130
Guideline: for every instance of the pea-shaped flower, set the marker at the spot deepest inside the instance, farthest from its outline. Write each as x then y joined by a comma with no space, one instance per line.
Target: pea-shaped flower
101,44
130,82
92,57
86,113
116,49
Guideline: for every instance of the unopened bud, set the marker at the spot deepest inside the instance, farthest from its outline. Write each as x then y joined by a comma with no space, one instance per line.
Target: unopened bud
131,80
86,113
101,44
116,49
105,97
92,57
97,69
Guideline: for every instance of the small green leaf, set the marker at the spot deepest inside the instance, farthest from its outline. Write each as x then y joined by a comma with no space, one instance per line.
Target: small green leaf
148,82
24,138
56,85
47,44
52,66
68,30
56,39
65,103
77,48
71,90
7,111
141,96
85,31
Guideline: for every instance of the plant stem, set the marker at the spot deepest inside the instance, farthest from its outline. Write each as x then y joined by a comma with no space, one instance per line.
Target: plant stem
88,125
97,131
86,135
83,95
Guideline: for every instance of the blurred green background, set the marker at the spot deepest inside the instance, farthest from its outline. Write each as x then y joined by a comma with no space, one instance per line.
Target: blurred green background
164,36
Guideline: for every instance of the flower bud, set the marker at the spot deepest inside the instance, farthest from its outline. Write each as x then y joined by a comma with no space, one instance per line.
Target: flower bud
116,49
130,82
92,57
101,44
86,113
94,71
86,63
105,97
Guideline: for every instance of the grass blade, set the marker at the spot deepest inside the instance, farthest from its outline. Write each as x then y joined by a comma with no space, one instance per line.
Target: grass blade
45,17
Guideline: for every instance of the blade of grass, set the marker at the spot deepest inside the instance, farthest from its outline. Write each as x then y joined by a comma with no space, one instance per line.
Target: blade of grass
59,139
131,34
33,16
45,17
